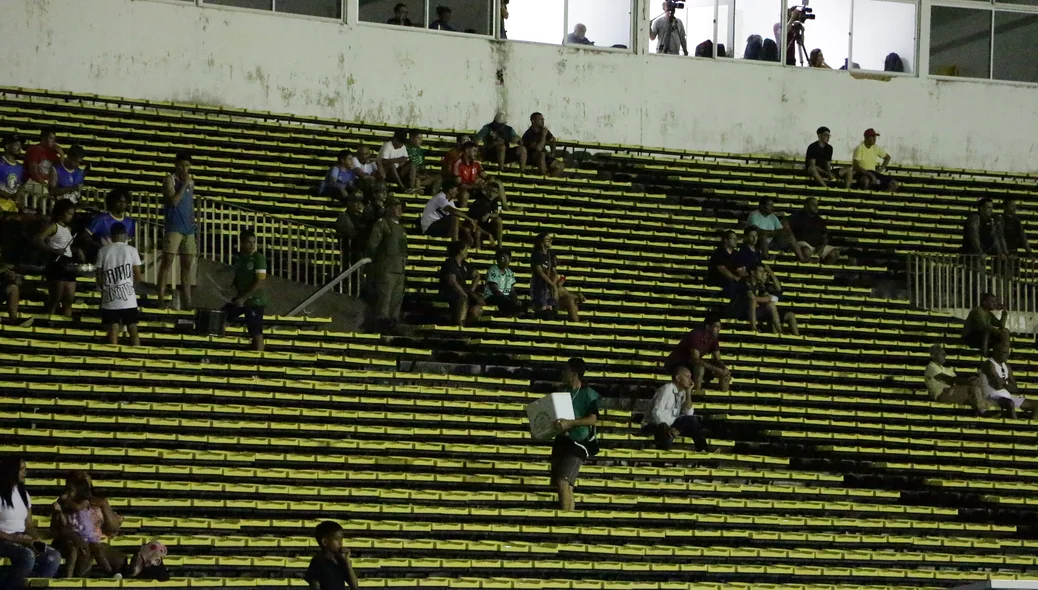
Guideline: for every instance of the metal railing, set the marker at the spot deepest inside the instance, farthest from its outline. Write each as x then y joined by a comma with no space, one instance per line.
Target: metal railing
955,281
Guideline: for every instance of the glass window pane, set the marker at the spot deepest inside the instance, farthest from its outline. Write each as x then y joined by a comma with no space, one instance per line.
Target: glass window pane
881,31
407,13
471,16
827,33
607,23
257,4
541,21
751,26
1016,36
321,8
659,24
960,42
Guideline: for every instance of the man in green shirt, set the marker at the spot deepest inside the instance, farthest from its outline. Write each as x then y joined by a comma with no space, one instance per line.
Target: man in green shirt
578,442
250,271
387,248
983,331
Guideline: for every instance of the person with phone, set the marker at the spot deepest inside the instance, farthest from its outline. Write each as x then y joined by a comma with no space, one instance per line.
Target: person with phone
20,542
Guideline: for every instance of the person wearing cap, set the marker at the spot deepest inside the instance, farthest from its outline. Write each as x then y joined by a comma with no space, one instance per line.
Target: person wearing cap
500,289
353,227
394,161
39,160
502,143
870,164
66,179
818,162
12,173
441,219
443,19
387,248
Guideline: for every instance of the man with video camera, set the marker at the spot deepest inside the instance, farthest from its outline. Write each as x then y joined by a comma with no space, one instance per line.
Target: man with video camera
796,18
669,29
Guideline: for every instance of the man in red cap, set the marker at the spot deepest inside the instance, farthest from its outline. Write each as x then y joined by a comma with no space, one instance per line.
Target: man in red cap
870,164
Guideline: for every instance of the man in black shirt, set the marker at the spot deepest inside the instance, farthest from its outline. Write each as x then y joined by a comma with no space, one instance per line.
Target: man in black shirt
722,270
458,282
810,236
818,162
1013,233
400,16
331,569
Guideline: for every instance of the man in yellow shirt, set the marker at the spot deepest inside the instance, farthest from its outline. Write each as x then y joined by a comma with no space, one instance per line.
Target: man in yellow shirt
870,164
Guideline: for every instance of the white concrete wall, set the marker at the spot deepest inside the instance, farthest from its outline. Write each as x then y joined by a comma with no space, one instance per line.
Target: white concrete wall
168,51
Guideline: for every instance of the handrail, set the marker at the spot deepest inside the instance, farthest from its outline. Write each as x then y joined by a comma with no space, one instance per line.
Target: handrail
320,293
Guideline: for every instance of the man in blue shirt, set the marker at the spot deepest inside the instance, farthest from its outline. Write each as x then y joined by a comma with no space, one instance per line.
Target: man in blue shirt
178,192
12,173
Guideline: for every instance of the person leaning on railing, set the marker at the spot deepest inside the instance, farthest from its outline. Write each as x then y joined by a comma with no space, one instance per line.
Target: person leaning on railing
983,331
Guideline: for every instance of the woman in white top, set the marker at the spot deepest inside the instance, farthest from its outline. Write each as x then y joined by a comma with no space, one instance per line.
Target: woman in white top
999,385
19,540
56,241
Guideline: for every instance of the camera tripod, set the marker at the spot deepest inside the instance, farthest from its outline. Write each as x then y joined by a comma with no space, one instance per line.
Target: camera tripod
798,38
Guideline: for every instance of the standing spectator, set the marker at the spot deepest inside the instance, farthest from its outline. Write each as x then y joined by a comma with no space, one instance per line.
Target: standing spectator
756,300
542,147
178,192
250,300
453,155
12,173
118,271
578,36
819,161
27,555
694,349
331,569
442,219
458,285
387,248
443,19
66,179
394,161
400,16
1013,235
870,164
98,232
366,168
468,173
55,239
420,178
578,441
546,288
747,258
999,384
39,160
669,30
486,211
500,290
981,235
340,182
80,522
723,268
768,225
808,234
353,227
376,207
672,415
501,143
983,331
945,387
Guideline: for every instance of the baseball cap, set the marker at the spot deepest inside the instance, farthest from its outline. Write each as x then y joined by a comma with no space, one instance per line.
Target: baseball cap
870,132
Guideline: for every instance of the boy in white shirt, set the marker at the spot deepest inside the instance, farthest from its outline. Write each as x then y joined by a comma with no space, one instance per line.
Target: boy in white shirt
118,270
945,387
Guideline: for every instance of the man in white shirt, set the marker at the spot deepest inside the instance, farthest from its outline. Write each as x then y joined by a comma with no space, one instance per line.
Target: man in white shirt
394,162
441,219
671,414
945,387
365,166
118,270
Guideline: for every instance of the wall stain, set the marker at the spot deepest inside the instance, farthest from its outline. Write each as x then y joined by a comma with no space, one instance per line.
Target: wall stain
259,77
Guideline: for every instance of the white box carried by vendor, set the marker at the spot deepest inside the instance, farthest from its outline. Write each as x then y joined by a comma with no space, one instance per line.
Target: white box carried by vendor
544,412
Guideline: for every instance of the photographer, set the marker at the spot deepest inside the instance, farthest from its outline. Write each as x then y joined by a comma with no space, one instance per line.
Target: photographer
669,29
796,17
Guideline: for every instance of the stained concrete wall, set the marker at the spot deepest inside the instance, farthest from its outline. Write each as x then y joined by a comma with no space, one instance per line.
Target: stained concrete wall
168,51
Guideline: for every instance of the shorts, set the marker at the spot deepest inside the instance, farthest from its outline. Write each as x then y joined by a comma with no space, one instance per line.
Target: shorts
566,459
511,153
441,228
60,270
125,317
884,180
178,243
737,311
253,317
825,251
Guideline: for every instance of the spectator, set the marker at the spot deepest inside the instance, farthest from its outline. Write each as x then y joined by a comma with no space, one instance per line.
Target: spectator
66,179
250,300
80,521
27,555
486,211
340,182
578,36
10,293
808,234
546,288
331,569
366,168
443,19
817,59
441,219
1013,235
672,414
500,290
754,47
692,353
983,331
55,239
747,257
819,162
723,268
870,164
458,285
541,147
40,159
178,191
400,16
453,155
756,300
395,163
12,173
999,384
501,143
376,207
353,227
578,441
421,177
99,232
945,387
387,248
768,225
670,31
468,173
981,236
118,271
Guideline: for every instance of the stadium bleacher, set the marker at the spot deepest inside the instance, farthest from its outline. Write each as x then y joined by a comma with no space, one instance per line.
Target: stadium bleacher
831,468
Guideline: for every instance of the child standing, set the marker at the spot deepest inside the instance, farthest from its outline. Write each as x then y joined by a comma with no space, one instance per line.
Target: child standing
118,270
331,569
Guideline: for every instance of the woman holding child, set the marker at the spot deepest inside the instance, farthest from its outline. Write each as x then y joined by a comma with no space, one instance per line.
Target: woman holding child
81,523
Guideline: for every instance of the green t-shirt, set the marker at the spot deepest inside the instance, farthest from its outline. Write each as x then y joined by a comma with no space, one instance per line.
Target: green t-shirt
245,270
585,403
416,155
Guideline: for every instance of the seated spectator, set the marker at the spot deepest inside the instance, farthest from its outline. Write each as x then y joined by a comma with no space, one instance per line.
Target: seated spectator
400,16
118,271
983,331
395,162
541,147
754,47
672,415
453,155
40,159
421,177
353,227
1014,237
486,211
468,173
66,179
578,441
723,268
441,219
819,162
945,387
817,59
809,236
501,143
27,555
365,166
10,293
98,232
999,385
870,164
458,284
80,523
340,182
578,36
756,300
981,236
12,173
443,19
331,569
500,290
250,300
747,257
769,226
693,351
546,288
55,240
